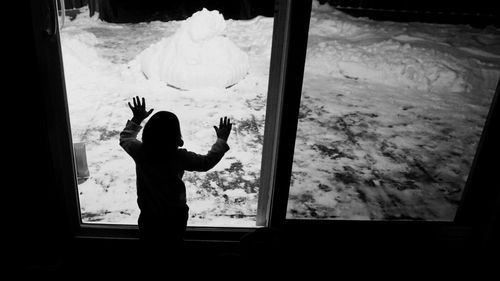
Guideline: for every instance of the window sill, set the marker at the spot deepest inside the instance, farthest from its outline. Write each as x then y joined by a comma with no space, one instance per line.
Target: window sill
131,232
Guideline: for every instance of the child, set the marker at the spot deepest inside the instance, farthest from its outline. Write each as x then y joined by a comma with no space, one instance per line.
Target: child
160,165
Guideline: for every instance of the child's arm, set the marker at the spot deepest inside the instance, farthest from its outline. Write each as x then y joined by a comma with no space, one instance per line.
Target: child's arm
128,137
202,163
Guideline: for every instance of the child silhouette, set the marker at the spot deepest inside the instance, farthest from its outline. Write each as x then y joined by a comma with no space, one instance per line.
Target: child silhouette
160,165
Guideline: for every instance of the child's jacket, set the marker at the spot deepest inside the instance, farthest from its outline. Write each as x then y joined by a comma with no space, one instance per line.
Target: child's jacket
160,187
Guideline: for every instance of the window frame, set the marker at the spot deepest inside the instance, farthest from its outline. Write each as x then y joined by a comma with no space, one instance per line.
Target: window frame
290,34
478,190
47,43
281,120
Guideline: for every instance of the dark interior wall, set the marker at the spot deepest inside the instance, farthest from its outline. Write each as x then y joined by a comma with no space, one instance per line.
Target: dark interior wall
37,210
43,243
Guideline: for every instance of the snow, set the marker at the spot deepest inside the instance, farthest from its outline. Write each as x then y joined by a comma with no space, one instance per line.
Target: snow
197,56
360,51
390,116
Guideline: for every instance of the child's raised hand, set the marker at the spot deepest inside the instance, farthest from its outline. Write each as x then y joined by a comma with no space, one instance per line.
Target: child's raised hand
224,128
139,110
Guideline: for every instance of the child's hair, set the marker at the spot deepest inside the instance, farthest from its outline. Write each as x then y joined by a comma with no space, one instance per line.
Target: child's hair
162,134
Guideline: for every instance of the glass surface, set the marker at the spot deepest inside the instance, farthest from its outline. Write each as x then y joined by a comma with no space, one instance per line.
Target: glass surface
390,117
103,71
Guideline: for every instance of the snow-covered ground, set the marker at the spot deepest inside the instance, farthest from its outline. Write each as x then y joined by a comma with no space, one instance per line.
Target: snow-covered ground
390,117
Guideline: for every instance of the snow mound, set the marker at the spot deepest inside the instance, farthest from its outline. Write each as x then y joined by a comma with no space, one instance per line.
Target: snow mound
388,62
79,54
197,56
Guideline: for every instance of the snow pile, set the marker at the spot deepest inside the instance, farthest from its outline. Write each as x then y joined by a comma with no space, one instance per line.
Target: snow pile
360,49
79,54
197,56
388,62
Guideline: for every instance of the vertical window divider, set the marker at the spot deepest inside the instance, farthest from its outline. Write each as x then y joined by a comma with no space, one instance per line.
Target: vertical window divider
285,85
273,111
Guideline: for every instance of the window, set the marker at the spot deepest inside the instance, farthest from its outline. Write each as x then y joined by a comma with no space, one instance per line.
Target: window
104,67
284,127
389,118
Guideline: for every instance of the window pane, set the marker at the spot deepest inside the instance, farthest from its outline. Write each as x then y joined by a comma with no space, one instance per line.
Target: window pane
104,68
390,117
